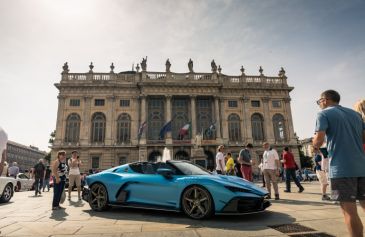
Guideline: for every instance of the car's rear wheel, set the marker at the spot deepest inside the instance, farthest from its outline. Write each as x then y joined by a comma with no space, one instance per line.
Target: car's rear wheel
98,197
7,193
197,202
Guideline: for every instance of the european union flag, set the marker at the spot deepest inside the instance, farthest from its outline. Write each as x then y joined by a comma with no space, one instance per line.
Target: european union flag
165,129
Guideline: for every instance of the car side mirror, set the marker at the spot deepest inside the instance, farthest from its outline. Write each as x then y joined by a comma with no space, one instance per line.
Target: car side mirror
167,173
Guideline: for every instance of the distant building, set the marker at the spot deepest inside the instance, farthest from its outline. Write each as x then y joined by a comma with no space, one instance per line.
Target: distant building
113,118
25,156
307,146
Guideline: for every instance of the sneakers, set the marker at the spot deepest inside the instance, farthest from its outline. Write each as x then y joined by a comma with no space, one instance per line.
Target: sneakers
69,198
277,197
301,190
326,198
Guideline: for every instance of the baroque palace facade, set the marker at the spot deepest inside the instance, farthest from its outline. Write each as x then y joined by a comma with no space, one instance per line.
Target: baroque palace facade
115,118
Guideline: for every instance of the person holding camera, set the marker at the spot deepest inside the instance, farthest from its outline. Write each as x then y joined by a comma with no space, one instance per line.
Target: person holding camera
74,175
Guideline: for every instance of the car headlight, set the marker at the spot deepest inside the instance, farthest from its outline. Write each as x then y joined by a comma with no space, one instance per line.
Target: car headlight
235,189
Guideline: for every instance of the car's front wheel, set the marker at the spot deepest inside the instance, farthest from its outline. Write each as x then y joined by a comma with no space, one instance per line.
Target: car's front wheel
7,193
98,197
197,202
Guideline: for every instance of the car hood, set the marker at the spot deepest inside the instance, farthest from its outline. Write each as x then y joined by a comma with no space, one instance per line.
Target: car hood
235,181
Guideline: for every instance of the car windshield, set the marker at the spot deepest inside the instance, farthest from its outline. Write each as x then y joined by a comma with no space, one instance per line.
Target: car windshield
188,168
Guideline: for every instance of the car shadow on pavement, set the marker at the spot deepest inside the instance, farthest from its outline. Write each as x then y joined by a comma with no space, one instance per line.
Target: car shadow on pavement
254,221
58,215
6,203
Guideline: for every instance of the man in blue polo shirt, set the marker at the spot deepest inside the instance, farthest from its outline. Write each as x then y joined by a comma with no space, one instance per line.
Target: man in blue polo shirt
345,133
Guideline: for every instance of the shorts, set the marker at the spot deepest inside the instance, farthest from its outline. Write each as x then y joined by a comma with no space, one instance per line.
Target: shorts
348,189
322,177
74,179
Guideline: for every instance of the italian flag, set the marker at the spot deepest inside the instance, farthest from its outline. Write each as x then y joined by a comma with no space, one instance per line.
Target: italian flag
184,130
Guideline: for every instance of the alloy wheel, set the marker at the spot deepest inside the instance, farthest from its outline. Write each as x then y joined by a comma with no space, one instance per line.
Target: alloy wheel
98,198
197,203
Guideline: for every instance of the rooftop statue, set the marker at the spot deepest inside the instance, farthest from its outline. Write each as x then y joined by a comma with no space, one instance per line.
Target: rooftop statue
65,68
190,66
168,65
144,64
91,66
214,66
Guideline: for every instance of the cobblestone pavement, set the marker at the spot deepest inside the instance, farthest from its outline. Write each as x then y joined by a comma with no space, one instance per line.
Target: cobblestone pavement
27,215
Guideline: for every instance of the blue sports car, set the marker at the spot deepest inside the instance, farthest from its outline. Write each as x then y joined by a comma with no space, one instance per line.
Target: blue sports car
174,186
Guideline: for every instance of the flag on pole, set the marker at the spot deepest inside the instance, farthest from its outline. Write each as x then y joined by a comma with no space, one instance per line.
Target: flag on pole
165,128
186,129
141,129
209,131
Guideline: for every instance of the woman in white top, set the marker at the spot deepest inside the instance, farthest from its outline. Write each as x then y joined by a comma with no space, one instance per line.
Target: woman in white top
219,160
74,176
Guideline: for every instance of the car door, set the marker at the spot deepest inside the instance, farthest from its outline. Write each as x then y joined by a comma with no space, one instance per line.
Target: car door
153,189
23,181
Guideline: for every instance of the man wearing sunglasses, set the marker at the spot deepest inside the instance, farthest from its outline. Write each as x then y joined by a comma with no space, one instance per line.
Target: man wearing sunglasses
345,133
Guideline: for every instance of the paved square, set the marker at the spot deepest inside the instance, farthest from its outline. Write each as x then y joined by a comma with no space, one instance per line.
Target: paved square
27,215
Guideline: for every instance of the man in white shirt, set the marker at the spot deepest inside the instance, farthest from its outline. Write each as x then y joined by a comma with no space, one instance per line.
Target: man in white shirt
219,160
3,142
270,166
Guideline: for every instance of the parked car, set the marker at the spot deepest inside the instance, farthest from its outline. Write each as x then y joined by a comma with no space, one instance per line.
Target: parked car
23,182
174,185
312,176
7,186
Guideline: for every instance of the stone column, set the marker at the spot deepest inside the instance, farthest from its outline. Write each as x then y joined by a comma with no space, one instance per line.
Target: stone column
289,121
193,118
247,126
60,128
135,117
223,139
85,134
168,135
218,117
143,118
110,121
269,130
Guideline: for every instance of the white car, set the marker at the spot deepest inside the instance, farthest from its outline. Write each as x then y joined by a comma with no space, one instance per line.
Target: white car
7,186
23,182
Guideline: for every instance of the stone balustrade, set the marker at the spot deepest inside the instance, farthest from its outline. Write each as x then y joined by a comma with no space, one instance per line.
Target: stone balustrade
135,77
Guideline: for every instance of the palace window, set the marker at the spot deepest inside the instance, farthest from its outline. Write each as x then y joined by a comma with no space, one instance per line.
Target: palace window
74,102
204,118
255,103
279,127
232,104
276,104
124,128
95,162
99,102
156,117
98,127
180,111
72,128
122,160
234,128
124,103
257,122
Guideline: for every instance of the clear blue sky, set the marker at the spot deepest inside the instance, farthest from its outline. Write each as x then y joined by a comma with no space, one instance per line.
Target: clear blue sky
320,43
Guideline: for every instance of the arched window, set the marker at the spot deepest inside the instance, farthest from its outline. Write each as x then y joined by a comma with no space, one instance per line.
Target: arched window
279,127
257,123
124,128
234,128
98,123
72,128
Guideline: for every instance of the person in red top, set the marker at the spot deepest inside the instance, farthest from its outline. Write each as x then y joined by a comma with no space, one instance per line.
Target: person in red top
289,166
